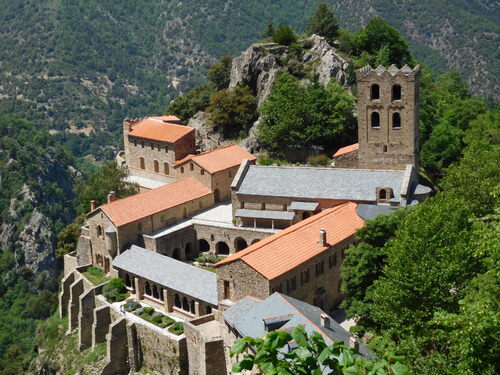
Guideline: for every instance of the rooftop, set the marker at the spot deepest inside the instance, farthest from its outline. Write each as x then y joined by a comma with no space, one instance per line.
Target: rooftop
347,149
287,249
138,206
248,316
169,272
219,159
159,129
319,183
264,214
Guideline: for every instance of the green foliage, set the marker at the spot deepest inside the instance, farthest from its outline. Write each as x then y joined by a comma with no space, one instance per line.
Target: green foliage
233,111
131,304
177,328
115,290
284,35
323,23
311,356
219,74
97,187
295,116
319,160
67,239
268,31
208,258
95,275
188,105
376,44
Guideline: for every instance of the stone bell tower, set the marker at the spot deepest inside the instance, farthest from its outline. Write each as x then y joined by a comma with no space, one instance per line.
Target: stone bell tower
388,104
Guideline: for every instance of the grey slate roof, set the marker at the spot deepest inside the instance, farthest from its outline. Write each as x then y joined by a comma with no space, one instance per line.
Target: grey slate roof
169,272
247,317
369,211
304,206
264,214
319,183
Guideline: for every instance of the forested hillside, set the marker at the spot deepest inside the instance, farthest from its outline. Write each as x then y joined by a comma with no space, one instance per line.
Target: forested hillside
85,65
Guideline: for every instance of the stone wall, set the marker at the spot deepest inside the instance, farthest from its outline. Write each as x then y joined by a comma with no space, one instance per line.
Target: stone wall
348,160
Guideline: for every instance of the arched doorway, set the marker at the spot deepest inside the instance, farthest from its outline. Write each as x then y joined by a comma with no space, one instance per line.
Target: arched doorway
176,254
203,245
156,166
240,244
222,248
189,251
141,162
217,195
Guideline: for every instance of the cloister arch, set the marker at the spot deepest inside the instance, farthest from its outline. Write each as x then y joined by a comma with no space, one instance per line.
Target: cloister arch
222,248
203,245
240,244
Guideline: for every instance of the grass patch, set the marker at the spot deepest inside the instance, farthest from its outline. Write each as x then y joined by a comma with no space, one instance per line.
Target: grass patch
150,315
177,328
211,269
95,276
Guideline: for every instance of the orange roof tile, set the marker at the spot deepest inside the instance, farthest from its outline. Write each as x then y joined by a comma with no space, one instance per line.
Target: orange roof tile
157,129
346,149
169,118
285,250
135,207
219,159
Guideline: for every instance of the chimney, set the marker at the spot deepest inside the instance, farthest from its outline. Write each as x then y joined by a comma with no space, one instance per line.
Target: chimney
111,197
353,343
325,320
322,237
92,205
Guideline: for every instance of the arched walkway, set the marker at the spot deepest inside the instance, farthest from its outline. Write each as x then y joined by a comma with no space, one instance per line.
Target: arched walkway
240,244
203,245
222,248
185,304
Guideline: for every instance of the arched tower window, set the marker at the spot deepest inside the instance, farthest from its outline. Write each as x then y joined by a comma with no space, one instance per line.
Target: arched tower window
156,166
99,231
396,120
396,92
375,120
141,162
375,92
382,194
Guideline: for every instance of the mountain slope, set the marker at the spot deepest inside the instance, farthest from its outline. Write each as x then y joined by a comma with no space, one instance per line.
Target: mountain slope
83,66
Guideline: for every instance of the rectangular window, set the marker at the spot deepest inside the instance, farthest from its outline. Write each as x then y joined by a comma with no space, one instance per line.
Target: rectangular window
320,268
227,290
332,260
304,277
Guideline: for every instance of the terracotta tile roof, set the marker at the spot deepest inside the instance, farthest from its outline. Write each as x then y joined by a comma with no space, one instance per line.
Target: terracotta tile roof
346,149
285,250
171,119
157,129
135,207
219,159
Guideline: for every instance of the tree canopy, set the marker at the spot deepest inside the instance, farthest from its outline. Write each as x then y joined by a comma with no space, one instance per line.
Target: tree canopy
220,72
323,23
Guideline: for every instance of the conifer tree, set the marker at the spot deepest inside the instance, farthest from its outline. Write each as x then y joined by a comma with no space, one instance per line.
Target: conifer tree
323,23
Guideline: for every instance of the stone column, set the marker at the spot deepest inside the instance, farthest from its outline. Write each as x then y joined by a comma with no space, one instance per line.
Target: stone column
168,300
139,288
197,308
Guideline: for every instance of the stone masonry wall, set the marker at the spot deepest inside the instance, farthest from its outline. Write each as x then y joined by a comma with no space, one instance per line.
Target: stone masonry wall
348,160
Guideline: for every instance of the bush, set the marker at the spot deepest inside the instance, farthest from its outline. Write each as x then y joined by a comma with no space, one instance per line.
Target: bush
177,328
208,258
157,319
284,35
114,290
322,160
148,310
131,305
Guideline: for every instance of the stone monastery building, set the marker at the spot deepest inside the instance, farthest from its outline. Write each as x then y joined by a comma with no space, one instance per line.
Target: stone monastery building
280,232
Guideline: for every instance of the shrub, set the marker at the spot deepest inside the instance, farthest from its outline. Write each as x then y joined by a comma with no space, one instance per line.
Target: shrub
177,328
284,35
319,160
94,271
148,310
114,290
156,319
131,305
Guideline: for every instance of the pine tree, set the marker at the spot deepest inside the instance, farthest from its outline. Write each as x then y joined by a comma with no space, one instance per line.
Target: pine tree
323,23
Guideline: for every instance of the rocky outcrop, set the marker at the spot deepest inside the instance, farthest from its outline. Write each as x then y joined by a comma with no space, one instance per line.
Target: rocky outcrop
259,65
206,137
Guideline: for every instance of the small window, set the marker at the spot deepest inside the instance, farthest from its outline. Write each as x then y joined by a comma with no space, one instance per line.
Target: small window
99,231
242,204
159,148
304,277
227,290
285,207
152,146
166,168
135,142
332,260
375,92
166,149
142,144
396,120
320,268
230,174
384,149
375,120
202,172
156,166
142,163
191,167
396,92
182,169
262,206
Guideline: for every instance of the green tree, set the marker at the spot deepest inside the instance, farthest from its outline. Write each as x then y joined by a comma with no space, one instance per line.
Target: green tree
97,187
220,73
67,239
295,116
364,264
233,111
269,30
188,105
323,23
312,356
284,35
